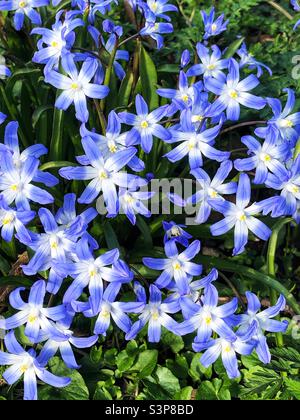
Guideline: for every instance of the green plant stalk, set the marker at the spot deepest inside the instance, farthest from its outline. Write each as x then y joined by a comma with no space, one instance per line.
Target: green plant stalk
280,9
56,146
108,73
56,165
273,243
297,150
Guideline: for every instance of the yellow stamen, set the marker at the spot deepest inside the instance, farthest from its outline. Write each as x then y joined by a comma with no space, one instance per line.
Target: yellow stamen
211,67
227,349
213,194
24,368
54,44
22,4
177,266
112,148
214,27
103,175
74,86
144,124
185,98
208,320
233,94
7,220
32,319
105,314
14,187
92,273
242,217
155,316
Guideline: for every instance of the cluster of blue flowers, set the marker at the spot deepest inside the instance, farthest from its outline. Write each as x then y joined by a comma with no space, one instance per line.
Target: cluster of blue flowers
209,95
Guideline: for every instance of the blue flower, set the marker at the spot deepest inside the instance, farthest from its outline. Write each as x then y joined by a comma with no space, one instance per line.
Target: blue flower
211,190
159,8
145,125
67,218
111,143
153,28
55,245
263,322
33,313
176,233
105,175
285,122
14,220
176,266
296,7
213,27
211,64
24,8
155,313
208,317
227,350
184,95
90,272
131,203
240,216
76,86
185,59
195,143
247,60
263,157
57,41
232,92
4,71
289,185
194,293
25,364
15,182
2,118
108,309
60,338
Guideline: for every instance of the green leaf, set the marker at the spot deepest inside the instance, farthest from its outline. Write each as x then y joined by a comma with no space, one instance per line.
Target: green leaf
167,381
148,79
110,236
293,386
145,231
213,391
172,341
125,89
101,392
15,281
124,362
232,49
168,68
185,394
197,370
56,145
39,112
146,363
55,165
77,390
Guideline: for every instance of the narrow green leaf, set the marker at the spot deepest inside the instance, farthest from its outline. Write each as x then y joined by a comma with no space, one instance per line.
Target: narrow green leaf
232,49
148,76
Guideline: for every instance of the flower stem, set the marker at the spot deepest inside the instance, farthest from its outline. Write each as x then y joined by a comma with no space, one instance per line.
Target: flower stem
280,9
273,243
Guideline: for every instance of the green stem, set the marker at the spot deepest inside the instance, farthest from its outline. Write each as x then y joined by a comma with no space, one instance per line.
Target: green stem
273,243
56,165
280,9
109,73
56,144
297,150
